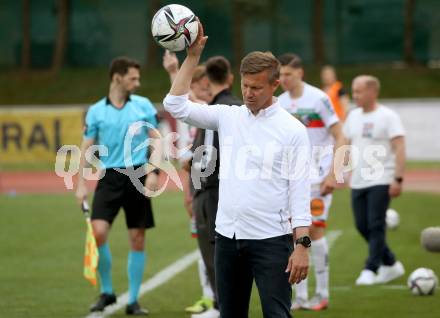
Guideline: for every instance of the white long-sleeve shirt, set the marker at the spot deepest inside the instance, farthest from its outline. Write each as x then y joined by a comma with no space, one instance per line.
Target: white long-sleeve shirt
264,172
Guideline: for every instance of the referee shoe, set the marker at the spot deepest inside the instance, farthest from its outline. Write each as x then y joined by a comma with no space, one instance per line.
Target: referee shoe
103,301
135,309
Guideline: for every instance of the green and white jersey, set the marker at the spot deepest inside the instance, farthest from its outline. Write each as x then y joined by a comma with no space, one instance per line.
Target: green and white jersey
315,110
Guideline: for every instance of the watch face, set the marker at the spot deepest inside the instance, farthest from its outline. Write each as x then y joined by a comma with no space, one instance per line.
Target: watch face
307,241
304,241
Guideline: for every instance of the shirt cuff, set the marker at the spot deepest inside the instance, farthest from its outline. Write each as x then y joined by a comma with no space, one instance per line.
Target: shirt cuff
176,99
333,120
301,222
397,134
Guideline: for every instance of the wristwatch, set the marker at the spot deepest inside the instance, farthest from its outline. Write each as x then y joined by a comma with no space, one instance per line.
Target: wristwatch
398,179
304,241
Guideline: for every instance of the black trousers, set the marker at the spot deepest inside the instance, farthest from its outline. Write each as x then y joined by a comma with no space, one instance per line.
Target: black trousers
205,208
369,207
239,262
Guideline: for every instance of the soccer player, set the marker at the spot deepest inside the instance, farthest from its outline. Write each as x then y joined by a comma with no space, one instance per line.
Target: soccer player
256,198
199,92
373,128
108,123
335,90
314,109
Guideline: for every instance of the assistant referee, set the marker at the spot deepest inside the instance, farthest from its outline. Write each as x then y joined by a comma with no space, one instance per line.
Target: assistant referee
108,123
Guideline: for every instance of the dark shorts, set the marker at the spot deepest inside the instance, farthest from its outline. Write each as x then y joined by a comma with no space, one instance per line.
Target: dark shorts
115,190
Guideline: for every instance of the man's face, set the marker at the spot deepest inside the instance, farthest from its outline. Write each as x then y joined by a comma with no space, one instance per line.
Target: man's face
290,77
328,76
257,90
363,95
130,82
201,89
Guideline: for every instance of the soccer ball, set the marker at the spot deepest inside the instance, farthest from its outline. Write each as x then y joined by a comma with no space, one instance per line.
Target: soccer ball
422,282
392,219
174,27
430,239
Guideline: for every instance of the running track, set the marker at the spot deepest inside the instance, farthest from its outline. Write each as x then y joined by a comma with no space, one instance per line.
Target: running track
49,182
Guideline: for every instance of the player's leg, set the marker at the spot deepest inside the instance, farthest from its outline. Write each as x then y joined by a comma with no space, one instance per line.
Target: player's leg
135,266
205,208
206,302
380,254
205,218
359,207
301,295
268,259
207,290
359,204
377,202
320,208
101,229
234,278
138,217
105,207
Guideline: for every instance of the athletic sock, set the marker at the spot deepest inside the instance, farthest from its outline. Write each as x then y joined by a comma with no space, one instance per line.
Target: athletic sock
320,260
105,269
301,290
204,281
135,269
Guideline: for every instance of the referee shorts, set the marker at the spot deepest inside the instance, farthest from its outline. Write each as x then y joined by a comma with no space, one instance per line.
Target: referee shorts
115,190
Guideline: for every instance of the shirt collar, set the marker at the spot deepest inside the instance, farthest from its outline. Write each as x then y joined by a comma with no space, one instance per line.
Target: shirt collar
109,102
268,111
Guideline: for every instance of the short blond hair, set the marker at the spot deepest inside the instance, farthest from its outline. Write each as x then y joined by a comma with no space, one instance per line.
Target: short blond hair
370,81
257,62
199,73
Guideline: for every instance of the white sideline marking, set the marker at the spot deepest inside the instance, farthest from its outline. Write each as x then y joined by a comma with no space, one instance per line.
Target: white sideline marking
332,236
157,280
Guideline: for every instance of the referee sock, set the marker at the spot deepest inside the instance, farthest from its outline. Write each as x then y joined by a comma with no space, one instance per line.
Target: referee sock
320,260
135,269
105,269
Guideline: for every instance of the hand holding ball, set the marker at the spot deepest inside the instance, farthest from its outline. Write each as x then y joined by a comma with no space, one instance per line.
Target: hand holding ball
175,27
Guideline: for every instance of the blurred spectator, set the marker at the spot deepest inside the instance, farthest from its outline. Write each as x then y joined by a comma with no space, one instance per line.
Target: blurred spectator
335,90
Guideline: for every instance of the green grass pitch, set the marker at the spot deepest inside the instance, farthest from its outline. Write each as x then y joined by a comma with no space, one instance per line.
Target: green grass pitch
42,242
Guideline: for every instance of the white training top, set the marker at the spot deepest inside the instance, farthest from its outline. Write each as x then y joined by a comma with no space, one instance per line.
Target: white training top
314,109
264,167
370,134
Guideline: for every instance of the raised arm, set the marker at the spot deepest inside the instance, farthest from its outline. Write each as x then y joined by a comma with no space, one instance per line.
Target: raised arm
170,64
182,82
177,103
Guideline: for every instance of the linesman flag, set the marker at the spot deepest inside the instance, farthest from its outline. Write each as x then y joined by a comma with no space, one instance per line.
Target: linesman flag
91,254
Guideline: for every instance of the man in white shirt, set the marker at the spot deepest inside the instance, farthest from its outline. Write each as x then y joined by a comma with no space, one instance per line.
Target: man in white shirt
377,151
263,184
313,108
